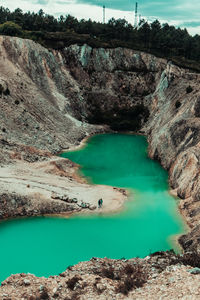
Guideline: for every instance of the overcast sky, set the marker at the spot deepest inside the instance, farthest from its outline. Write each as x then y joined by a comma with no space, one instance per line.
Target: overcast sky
181,13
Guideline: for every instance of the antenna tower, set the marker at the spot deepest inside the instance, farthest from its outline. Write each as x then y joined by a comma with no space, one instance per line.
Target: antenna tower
136,16
140,17
104,14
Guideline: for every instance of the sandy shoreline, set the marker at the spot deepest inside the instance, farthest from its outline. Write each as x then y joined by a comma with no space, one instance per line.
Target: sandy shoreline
78,146
37,184
111,203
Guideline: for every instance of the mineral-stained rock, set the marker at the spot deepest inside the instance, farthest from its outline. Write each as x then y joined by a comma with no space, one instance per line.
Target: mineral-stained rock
194,271
174,136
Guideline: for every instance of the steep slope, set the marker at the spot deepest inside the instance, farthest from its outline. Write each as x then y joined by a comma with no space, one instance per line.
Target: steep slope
173,133
43,90
37,101
115,82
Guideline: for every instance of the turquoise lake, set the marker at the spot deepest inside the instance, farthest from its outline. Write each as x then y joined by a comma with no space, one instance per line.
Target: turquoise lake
46,246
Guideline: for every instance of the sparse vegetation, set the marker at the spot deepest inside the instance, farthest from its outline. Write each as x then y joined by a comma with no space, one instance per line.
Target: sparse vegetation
188,259
189,89
125,287
99,290
1,89
72,282
108,272
197,108
129,277
7,92
128,269
177,104
44,294
132,277
4,91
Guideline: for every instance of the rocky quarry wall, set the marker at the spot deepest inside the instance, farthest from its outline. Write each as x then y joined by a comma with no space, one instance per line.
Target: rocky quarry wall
50,100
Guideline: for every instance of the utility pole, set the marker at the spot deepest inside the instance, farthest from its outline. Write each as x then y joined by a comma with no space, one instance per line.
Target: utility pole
136,17
140,17
104,14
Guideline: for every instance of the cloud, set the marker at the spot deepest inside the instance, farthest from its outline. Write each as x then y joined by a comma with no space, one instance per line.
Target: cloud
65,2
125,5
43,2
59,7
194,30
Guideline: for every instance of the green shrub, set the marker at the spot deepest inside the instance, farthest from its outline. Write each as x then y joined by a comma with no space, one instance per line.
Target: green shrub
188,259
133,277
108,272
72,282
189,89
44,294
177,104
10,28
7,92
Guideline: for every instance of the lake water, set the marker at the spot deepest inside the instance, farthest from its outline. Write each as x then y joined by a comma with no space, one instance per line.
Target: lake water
46,246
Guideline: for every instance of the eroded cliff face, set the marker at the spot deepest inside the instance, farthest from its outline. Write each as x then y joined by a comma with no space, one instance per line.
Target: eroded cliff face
37,101
43,91
173,132
48,98
137,91
114,83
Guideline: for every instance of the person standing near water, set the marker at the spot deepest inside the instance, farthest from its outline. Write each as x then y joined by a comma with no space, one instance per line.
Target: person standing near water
100,203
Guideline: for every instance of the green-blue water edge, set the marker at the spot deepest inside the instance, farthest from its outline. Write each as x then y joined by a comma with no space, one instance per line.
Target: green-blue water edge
46,246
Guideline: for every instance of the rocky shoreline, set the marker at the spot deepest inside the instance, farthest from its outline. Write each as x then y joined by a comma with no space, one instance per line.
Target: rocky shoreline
52,186
161,275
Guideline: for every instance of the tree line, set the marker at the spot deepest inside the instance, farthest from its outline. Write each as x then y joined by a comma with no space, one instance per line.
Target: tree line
162,40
